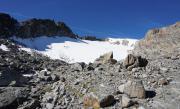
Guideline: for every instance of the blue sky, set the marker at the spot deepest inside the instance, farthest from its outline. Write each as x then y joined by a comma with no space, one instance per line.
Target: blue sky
102,18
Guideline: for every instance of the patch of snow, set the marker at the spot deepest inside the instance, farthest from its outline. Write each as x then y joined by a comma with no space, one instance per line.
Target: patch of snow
4,47
76,50
28,75
29,50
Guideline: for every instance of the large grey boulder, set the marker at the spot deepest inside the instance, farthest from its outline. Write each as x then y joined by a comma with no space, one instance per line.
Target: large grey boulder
12,97
134,89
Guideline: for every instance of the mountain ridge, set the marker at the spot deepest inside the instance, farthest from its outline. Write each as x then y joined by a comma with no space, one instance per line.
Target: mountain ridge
9,27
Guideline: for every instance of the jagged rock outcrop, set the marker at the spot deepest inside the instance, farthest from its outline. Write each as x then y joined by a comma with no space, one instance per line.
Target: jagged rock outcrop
160,42
132,61
8,25
32,28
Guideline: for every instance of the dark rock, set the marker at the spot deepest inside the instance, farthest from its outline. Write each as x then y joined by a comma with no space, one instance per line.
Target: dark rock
43,27
107,101
12,78
32,28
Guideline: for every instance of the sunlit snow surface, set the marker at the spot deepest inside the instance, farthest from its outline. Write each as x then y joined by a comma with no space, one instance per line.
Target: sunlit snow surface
76,50
4,47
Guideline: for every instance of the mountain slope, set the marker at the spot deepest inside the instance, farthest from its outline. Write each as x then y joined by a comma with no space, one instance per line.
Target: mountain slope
160,42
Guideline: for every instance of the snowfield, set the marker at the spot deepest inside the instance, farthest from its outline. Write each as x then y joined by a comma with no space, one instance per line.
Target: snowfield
76,50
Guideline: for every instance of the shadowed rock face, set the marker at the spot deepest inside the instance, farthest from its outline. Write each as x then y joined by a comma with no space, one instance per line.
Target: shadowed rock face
163,41
32,28
8,25
43,27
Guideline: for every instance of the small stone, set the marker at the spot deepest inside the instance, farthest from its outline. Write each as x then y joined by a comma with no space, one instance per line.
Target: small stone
54,77
47,78
13,83
62,79
49,106
126,101
121,88
163,81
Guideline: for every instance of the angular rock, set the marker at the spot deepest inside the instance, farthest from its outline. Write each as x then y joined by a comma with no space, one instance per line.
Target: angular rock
134,89
106,58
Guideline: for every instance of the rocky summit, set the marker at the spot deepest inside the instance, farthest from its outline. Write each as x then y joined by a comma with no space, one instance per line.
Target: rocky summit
148,78
32,28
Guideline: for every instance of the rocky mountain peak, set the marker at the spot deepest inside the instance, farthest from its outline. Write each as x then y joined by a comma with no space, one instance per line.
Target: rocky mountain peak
32,28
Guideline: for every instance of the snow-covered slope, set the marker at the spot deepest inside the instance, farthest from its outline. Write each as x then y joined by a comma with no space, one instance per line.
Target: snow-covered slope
76,50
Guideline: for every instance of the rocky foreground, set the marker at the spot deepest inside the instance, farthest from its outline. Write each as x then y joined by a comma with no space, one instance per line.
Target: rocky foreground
149,78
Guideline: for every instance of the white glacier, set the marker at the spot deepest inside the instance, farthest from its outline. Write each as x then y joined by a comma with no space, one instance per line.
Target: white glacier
76,50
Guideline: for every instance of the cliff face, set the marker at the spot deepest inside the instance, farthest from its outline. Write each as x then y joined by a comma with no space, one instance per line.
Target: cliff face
43,27
32,28
160,42
8,25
